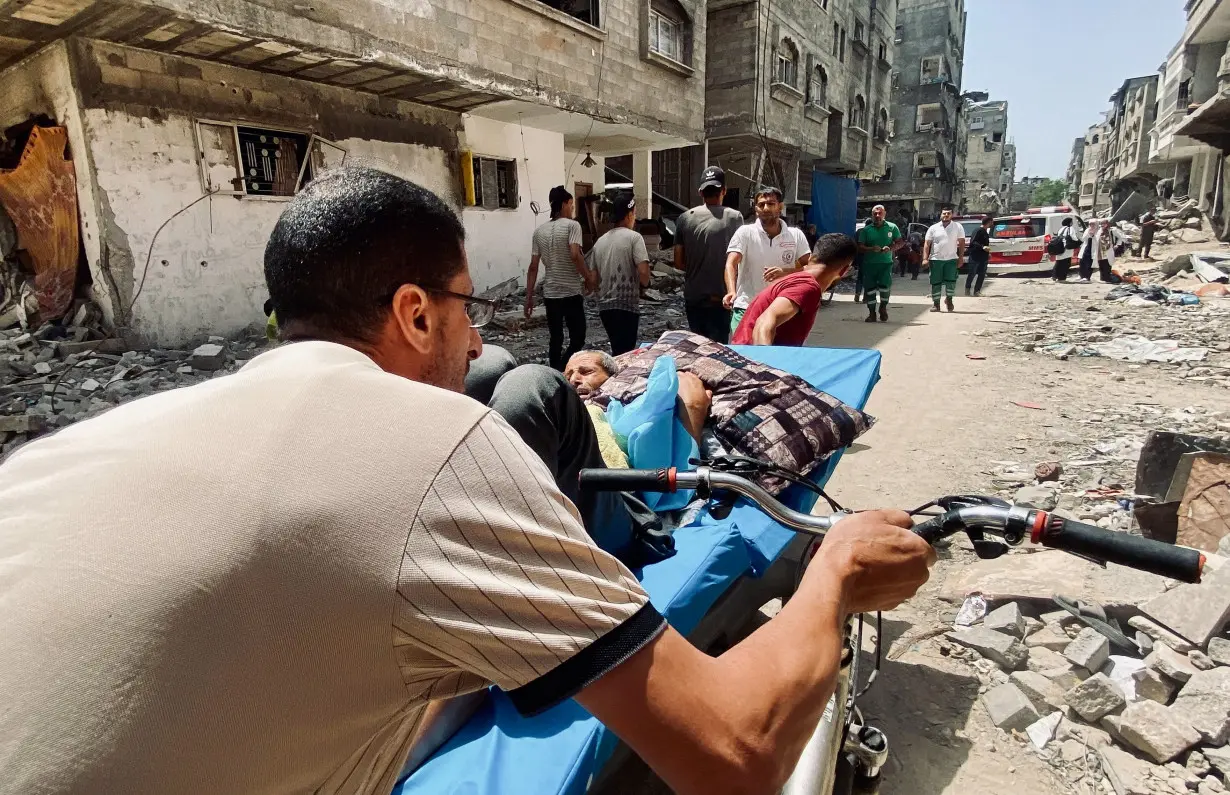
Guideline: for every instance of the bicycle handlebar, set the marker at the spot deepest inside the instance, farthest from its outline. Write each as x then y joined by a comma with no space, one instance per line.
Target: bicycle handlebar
1012,523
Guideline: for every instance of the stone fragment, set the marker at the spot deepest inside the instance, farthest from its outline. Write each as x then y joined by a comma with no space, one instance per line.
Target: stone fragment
1219,758
1090,650
1040,497
1205,702
1197,612
1005,651
1219,649
21,423
1032,625
1045,695
1009,708
210,356
42,368
1200,660
1160,633
1096,697
1007,619
1171,663
1154,686
1128,775
1042,731
1044,659
1161,733
1050,637
90,385
1210,786
1197,763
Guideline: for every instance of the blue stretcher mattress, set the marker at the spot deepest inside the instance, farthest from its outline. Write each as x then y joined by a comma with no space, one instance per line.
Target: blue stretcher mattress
499,752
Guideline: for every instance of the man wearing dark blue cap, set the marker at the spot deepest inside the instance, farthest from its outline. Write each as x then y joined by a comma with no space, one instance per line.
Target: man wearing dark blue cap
702,236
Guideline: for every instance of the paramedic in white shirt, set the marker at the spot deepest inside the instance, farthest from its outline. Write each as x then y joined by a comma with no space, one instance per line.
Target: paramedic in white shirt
760,253
944,250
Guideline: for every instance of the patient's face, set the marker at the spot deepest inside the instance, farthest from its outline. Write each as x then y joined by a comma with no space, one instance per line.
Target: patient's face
585,372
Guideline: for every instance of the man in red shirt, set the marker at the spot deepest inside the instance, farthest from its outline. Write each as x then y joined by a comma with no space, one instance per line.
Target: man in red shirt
785,310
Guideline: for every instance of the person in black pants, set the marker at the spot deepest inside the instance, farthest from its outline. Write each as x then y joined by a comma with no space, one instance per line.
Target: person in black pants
979,257
1063,262
557,245
622,262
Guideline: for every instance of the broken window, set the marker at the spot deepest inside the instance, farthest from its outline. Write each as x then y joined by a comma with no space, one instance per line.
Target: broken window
495,183
787,64
238,160
860,30
932,69
836,37
926,164
997,137
818,87
665,35
1087,189
883,50
841,52
584,10
882,124
858,113
930,117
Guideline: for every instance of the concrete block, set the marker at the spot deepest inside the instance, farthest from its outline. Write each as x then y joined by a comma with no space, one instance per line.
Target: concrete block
1160,633
1219,758
1154,686
1169,662
21,423
208,357
1219,649
1005,651
1009,708
1096,697
1042,731
1044,659
1128,775
1007,619
1197,612
1205,702
1050,637
1045,695
1161,733
1090,650
143,60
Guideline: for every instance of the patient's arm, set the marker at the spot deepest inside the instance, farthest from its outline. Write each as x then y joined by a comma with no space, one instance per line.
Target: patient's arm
695,401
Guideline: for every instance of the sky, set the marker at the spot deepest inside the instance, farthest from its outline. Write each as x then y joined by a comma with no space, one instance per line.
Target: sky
1054,95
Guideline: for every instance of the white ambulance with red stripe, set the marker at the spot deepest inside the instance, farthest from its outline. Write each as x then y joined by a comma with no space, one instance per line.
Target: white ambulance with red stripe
1018,242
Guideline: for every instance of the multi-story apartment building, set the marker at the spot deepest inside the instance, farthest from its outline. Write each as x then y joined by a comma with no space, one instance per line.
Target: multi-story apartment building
795,86
926,166
1192,132
1093,197
1007,173
1076,167
1125,158
190,124
987,141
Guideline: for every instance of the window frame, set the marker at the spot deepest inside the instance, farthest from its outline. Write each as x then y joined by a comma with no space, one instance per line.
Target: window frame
501,164
787,59
818,71
315,146
657,21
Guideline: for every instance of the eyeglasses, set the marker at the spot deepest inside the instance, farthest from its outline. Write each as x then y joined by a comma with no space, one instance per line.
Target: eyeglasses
480,311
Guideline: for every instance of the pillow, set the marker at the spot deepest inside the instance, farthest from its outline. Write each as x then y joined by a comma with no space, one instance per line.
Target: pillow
758,411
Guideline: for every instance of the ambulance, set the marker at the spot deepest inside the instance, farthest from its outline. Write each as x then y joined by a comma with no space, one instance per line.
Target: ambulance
1018,242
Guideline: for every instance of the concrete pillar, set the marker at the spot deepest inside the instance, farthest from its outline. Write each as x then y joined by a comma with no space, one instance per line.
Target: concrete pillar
642,182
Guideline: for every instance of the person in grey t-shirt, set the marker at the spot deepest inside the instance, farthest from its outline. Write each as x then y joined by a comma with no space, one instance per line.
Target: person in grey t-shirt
557,245
622,262
702,235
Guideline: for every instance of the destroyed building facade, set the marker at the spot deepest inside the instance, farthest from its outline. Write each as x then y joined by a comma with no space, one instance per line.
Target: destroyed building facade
927,157
985,189
189,127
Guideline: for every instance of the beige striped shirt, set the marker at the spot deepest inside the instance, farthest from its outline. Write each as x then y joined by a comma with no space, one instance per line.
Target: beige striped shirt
260,583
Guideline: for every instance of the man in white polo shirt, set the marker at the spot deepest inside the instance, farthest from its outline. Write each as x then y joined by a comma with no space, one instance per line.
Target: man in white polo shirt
760,253
943,250
275,581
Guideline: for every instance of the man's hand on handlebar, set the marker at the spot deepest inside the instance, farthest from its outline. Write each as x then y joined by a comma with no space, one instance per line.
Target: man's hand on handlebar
879,560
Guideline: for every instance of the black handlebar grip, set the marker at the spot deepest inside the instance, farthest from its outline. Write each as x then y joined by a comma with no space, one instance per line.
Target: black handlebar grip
652,480
931,530
1157,557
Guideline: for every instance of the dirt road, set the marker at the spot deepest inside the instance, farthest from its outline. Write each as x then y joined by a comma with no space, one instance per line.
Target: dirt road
942,419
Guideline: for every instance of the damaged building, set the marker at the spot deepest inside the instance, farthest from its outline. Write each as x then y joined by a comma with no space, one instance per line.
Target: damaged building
988,167
927,158
167,136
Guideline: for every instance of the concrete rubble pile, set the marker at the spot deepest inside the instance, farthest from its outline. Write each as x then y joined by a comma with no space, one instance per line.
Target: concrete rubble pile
1146,713
1183,222
58,374
1180,334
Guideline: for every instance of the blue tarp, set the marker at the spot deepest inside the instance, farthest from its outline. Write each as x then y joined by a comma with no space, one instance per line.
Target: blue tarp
499,752
834,204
